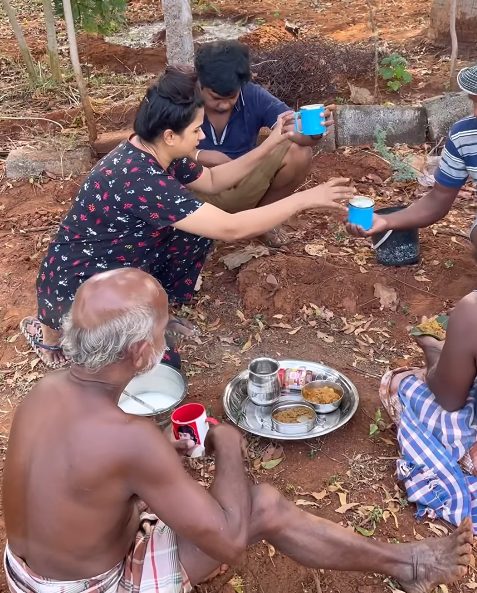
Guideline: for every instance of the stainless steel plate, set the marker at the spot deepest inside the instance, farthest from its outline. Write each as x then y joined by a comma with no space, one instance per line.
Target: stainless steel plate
256,419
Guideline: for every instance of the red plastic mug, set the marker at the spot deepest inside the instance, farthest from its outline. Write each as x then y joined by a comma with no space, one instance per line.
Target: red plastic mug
190,421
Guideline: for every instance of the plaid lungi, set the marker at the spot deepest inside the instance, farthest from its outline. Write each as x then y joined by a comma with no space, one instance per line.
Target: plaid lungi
434,449
152,565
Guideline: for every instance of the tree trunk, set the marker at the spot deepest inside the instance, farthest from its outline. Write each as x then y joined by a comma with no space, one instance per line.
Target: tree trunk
466,21
52,41
22,44
178,22
88,110
454,45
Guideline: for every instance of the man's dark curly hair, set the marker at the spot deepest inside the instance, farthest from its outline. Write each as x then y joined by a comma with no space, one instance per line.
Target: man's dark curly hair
223,66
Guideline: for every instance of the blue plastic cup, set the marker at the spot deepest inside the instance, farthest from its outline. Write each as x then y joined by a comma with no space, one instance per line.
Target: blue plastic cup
360,212
312,118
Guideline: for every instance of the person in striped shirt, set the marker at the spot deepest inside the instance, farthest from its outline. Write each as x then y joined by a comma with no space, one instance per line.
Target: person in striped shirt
458,164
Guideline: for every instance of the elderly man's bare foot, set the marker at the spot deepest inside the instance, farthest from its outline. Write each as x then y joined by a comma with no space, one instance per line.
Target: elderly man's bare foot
439,560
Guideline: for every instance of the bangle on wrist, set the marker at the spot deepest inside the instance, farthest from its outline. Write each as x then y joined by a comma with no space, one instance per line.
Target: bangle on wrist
197,154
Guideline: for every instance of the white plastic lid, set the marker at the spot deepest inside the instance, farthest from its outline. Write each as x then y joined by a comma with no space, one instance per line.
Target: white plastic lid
316,106
362,202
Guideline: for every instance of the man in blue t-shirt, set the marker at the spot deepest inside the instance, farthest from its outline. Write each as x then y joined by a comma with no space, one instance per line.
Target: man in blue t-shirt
235,111
458,164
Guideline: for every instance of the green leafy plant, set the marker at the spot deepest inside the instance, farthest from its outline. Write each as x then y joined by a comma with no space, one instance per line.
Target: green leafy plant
393,69
378,424
97,16
402,169
368,526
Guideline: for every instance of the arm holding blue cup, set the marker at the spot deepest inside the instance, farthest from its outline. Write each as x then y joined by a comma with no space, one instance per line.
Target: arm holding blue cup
309,129
426,211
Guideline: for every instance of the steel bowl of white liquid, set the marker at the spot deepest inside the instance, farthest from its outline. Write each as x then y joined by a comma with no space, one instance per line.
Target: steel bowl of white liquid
155,393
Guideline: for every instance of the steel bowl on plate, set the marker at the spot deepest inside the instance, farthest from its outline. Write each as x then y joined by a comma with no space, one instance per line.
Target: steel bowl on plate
324,408
161,389
292,428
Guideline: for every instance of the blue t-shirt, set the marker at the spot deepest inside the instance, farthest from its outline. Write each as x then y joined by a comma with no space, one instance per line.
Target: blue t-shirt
255,108
459,157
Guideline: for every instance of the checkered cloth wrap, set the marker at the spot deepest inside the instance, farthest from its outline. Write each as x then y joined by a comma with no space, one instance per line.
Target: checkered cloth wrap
432,444
151,566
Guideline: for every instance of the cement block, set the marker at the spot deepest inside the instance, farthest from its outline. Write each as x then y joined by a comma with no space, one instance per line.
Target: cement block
328,142
357,124
24,163
443,111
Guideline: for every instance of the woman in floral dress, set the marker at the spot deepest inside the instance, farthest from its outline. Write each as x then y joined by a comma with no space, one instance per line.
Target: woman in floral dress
137,208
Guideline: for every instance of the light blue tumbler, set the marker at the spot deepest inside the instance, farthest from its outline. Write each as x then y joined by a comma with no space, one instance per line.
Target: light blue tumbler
312,119
360,212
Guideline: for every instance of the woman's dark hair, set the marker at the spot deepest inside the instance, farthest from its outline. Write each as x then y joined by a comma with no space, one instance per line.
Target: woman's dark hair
170,104
223,66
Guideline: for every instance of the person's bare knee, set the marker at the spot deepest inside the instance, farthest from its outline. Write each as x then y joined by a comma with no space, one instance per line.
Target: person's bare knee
295,166
298,159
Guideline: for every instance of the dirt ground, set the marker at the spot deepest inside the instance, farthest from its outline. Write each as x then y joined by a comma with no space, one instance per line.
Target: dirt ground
313,311
287,304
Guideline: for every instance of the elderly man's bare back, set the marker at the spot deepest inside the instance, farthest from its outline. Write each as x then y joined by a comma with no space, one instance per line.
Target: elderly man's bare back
77,465
70,513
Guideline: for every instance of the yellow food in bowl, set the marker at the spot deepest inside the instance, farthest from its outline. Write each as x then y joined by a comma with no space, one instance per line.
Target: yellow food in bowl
321,395
293,415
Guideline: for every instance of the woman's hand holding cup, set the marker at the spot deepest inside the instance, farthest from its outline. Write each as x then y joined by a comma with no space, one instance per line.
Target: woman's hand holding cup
282,130
331,194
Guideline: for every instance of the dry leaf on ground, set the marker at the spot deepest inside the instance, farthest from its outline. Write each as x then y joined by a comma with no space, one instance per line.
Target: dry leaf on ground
316,249
271,464
439,530
271,550
296,330
301,502
388,297
242,256
360,95
420,276
346,507
246,346
320,495
325,337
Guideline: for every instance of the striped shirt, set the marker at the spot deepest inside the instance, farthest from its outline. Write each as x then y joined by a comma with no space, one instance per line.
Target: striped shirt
459,158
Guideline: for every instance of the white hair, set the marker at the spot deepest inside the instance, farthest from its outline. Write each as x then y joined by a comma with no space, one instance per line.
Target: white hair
110,341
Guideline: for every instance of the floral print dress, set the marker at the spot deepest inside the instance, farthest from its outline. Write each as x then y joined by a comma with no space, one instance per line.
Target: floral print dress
123,216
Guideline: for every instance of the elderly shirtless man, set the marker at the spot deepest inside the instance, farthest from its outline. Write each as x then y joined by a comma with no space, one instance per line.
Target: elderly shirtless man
77,468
